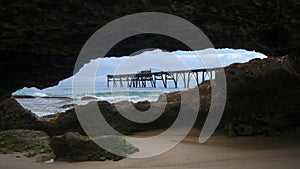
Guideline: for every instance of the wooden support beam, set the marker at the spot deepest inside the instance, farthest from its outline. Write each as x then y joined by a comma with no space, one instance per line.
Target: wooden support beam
184,80
141,79
121,83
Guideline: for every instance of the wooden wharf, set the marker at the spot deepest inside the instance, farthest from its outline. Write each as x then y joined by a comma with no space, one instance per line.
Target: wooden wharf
142,78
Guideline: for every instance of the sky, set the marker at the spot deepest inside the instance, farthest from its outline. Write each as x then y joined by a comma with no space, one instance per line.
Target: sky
159,60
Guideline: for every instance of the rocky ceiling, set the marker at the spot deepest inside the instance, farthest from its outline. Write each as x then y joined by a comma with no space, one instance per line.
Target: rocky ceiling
40,39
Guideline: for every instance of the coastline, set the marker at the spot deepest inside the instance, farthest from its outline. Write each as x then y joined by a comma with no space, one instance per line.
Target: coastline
218,152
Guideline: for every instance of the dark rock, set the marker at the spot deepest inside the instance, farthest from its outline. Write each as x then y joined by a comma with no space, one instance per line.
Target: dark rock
57,97
142,106
263,95
61,123
30,142
68,121
33,58
48,118
88,98
23,96
75,147
292,65
244,130
67,106
14,116
41,158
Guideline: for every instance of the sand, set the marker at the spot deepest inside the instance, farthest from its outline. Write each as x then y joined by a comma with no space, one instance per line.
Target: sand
219,152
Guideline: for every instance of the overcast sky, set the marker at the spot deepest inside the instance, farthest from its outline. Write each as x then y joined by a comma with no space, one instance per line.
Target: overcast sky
158,60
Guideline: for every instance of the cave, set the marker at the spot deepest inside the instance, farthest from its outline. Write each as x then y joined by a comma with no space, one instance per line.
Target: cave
266,26
42,39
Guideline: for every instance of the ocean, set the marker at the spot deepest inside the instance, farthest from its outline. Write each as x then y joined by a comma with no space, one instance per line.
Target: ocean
60,98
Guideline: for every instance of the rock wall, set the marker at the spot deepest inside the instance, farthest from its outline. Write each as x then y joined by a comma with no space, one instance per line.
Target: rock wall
40,39
262,98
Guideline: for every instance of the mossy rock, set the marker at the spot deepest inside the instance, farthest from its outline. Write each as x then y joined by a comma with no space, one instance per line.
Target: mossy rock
29,142
244,130
72,146
51,117
4,150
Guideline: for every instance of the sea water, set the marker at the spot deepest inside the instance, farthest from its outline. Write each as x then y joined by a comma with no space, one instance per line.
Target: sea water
61,98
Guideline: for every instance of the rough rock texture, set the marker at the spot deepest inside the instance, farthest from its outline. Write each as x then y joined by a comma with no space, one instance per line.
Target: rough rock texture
32,143
62,123
72,146
262,97
292,65
14,116
40,39
69,146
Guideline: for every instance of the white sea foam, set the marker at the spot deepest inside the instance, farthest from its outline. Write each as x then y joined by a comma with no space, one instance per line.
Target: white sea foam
55,102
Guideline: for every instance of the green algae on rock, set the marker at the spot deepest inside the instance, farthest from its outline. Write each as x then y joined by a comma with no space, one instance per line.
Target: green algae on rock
31,143
72,146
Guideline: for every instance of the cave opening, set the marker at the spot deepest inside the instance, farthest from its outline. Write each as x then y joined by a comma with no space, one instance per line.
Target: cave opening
60,98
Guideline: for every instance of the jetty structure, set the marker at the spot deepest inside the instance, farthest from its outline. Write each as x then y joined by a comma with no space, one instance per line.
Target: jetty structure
142,78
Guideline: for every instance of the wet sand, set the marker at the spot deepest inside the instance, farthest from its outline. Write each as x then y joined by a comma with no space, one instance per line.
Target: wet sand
219,152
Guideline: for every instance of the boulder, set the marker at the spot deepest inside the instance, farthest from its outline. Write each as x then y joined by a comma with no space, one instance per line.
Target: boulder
72,146
31,143
262,98
88,98
14,116
68,121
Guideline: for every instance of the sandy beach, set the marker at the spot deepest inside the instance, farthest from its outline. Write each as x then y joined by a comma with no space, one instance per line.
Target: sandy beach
218,152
